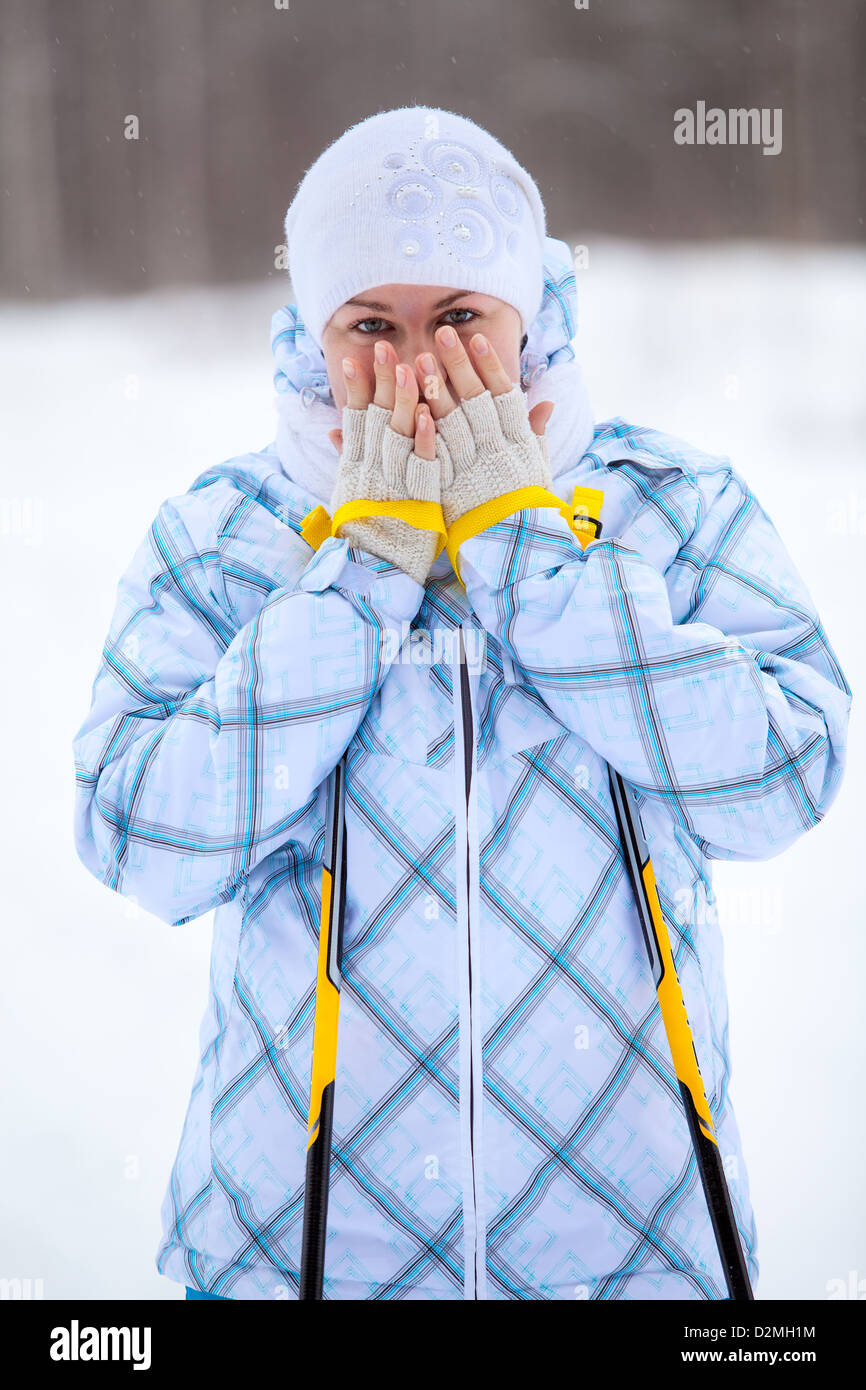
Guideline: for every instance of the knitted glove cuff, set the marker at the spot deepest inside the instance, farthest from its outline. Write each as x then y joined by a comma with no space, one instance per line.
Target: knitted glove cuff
379,464
411,548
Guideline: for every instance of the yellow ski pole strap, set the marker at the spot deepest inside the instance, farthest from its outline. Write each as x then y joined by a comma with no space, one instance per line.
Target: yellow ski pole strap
427,516
316,527
318,524
580,514
586,510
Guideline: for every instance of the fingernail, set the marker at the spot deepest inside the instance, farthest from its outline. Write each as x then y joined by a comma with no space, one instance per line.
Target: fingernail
479,343
381,352
448,337
348,369
402,376
428,364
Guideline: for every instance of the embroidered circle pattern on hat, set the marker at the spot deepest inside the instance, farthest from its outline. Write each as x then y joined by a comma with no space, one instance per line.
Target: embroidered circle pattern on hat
471,209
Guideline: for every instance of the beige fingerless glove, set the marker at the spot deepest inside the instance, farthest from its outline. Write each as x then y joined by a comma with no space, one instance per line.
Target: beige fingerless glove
487,446
380,464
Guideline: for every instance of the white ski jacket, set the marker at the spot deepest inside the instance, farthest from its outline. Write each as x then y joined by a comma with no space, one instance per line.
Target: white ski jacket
507,1122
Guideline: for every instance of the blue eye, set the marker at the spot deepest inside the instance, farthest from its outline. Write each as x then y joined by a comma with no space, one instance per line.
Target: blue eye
376,332
384,325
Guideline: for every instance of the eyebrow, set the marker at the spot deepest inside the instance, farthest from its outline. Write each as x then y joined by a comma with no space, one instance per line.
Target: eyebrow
375,304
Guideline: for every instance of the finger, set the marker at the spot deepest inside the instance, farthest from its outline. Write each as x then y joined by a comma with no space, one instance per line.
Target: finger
384,363
436,393
406,394
488,365
357,384
336,438
461,373
539,416
425,432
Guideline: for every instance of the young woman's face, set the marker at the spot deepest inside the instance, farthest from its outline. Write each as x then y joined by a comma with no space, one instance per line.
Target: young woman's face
407,316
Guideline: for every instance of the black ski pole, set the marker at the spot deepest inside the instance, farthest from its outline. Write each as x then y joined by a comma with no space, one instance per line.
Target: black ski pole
680,1039
587,526
328,982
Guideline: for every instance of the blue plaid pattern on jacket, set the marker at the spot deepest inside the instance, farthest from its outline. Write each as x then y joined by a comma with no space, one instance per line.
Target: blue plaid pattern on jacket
682,648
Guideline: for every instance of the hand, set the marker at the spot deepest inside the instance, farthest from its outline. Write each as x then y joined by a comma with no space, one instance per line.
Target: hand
387,449
488,444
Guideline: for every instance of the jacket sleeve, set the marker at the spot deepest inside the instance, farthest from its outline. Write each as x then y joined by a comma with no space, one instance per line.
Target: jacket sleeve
734,713
207,738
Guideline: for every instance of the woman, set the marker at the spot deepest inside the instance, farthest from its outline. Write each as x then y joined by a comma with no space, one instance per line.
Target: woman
507,1120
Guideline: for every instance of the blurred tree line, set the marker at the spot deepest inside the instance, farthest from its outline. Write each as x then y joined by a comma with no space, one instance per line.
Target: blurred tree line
231,102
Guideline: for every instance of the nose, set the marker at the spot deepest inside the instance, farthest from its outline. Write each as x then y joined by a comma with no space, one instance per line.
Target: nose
413,344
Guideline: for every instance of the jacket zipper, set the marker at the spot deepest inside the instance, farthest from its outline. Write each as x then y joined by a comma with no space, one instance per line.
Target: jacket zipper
468,738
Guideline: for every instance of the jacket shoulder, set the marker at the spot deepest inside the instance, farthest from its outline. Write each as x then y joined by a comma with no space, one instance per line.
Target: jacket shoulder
688,485
228,497
232,537
616,442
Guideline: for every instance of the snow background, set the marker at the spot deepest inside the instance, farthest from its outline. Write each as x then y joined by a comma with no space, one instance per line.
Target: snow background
112,405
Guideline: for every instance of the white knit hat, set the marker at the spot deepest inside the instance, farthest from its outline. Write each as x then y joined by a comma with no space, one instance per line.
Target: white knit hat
421,196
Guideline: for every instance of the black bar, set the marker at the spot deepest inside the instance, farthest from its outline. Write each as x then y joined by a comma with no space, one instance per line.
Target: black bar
316,1203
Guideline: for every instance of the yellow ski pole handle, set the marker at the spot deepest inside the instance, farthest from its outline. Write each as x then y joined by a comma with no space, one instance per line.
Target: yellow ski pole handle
673,1011
328,982
327,1015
